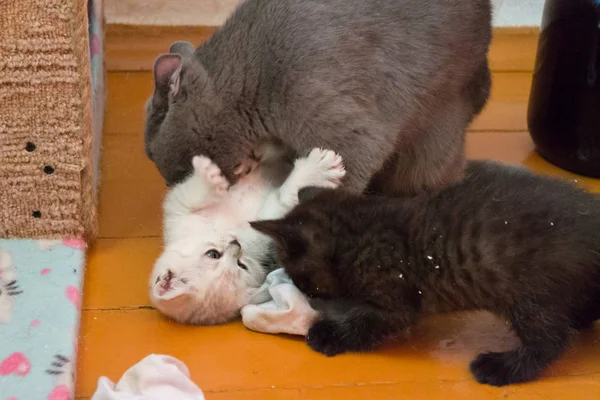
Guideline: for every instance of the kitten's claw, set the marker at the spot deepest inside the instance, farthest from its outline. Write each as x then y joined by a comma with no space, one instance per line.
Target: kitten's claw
325,337
211,173
322,168
247,165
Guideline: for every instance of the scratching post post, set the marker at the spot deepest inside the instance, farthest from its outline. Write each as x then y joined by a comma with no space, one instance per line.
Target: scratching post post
50,118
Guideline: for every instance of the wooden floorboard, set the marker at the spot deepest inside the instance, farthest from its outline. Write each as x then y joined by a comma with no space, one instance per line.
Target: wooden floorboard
229,358
119,327
134,48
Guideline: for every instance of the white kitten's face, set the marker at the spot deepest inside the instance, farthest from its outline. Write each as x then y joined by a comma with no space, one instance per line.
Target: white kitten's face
203,282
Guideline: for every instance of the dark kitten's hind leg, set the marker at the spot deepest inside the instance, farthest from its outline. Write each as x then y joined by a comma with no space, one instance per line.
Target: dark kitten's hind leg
345,326
544,336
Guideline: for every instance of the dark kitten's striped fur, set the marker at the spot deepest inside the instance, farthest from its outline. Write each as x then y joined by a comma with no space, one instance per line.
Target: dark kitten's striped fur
504,240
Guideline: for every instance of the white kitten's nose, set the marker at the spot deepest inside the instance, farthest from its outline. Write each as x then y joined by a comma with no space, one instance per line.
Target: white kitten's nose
237,247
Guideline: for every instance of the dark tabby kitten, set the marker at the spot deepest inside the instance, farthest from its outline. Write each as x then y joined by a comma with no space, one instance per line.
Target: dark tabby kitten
391,85
505,240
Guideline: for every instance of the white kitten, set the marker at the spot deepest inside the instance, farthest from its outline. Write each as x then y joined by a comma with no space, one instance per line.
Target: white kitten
8,286
213,260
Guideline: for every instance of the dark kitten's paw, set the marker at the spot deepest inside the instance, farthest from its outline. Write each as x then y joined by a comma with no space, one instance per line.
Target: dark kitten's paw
325,337
497,369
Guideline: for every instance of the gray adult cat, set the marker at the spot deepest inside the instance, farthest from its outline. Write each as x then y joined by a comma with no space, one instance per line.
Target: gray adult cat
391,85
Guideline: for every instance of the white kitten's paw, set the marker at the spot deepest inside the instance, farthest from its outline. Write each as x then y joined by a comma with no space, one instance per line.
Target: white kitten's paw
322,168
211,173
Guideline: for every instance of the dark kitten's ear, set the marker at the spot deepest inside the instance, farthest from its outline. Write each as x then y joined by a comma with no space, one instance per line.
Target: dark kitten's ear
167,69
288,236
310,192
272,228
182,48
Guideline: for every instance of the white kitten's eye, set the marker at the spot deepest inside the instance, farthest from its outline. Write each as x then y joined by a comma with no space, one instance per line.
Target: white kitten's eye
212,253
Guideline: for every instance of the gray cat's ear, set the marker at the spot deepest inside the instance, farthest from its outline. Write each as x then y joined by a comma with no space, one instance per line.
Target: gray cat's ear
182,48
167,69
310,192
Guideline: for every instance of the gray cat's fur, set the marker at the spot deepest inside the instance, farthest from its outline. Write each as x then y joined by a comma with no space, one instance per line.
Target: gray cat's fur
391,85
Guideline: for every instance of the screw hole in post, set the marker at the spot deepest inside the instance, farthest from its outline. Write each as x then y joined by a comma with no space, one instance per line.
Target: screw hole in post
48,170
30,147
36,214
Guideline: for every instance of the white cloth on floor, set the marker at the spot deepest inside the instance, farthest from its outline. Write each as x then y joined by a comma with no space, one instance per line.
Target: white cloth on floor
156,377
279,307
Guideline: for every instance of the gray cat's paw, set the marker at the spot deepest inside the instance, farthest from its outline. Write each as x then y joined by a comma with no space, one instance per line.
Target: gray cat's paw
208,171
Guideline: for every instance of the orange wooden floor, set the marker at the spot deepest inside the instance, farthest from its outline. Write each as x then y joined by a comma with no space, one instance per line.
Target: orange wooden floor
229,362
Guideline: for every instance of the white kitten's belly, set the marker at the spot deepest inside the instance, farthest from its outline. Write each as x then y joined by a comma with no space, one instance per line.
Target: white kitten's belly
229,216
246,198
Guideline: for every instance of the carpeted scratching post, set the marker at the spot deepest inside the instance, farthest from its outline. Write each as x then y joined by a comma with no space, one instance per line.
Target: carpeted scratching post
47,167
51,111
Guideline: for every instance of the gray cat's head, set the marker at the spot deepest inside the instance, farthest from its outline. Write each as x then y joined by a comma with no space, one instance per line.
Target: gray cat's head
188,116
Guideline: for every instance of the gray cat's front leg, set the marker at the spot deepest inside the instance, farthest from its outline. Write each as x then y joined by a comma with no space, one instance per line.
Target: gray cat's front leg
364,155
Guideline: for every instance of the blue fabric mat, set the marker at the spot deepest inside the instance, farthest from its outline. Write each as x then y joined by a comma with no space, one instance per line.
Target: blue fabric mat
40,307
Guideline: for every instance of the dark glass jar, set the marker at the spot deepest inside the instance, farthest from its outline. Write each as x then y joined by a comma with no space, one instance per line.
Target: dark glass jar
564,104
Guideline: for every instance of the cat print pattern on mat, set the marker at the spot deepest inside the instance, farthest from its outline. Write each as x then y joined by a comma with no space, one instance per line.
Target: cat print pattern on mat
62,369
391,86
9,288
504,240
40,283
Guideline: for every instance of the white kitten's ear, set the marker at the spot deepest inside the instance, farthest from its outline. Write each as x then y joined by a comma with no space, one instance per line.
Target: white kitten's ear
183,48
170,294
167,70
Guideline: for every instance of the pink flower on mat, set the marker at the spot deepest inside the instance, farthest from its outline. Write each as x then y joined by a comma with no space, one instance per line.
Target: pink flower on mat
45,271
12,398
77,244
61,392
74,296
96,45
16,364
35,323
